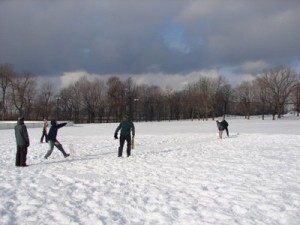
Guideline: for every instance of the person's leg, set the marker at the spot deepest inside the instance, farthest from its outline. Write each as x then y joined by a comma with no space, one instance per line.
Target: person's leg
220,134
23,155
128,140
122,141
51,147
60,148
18,156
227,132
43,134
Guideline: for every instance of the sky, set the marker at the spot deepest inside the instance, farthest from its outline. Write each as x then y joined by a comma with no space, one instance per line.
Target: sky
157,42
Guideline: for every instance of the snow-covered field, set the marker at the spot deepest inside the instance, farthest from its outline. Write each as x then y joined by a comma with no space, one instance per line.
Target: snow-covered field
179,174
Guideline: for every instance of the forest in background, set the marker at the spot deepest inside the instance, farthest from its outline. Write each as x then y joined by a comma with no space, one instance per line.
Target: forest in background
272,92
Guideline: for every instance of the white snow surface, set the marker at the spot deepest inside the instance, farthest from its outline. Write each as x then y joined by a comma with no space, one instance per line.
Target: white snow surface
180,173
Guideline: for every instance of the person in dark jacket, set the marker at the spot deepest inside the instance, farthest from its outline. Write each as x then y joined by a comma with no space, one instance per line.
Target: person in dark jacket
52,139
223,125
126,127
22,140
44,132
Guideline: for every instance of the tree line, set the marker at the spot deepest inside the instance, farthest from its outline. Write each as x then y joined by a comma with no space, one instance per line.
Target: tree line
272,92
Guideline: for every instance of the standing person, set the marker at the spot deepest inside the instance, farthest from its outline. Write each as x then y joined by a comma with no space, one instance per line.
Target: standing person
126,127
45,126
223,125
22,140
53,141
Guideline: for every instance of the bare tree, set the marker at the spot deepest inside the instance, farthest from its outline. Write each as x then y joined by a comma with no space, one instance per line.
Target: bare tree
262,94
77,101
150,103
209,96
280,82
188,104
205,101
70,103
295,97
99,98
245,95
115,98
6,76
24,92
130,96
168,103
92,95
225,95
44,104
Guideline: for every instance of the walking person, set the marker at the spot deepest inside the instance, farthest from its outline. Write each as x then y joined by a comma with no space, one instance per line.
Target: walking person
22,140
53,141
127,128
44,134
223,125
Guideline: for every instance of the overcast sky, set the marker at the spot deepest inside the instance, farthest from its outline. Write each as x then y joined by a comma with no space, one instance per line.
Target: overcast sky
152,40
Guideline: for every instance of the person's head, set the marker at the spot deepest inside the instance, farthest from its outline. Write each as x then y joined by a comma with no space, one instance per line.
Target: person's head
53,122
125,118
21,120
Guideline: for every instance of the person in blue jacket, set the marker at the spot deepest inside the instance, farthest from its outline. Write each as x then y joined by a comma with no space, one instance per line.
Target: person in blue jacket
53,141
126,127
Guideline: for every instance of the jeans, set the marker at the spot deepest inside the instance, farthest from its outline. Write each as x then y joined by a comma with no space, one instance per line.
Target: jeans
57,145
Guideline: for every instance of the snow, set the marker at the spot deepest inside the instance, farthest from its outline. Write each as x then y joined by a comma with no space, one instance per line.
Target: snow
180,173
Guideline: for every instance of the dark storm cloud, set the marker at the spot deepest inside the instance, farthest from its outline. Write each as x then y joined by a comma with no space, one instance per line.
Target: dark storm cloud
141,36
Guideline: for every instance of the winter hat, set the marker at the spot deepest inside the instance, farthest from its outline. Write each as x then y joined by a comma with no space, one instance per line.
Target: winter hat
53,122
21,118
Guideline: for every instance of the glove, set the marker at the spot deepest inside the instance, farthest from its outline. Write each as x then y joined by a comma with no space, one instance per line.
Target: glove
116,136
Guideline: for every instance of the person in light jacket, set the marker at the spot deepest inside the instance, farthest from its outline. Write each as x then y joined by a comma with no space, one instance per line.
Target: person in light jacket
53,141
44,132
22,140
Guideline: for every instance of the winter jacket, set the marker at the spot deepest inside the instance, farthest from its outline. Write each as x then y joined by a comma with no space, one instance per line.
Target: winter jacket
219,125
21,134
126,127
222,125
53,130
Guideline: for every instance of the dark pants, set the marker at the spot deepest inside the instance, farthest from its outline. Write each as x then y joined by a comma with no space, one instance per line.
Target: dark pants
124,138
44,135
227,132
21,155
